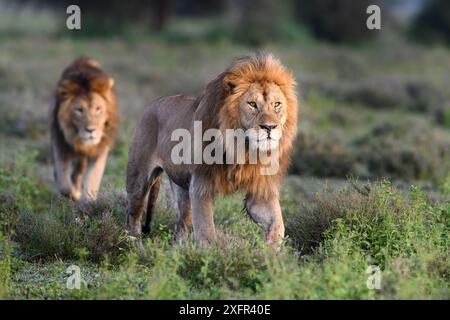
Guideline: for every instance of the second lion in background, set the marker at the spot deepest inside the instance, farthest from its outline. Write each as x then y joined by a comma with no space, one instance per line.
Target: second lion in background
83,128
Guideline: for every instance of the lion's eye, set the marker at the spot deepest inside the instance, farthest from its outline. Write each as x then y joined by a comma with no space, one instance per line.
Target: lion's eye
277,106
98,109
79,110
252,104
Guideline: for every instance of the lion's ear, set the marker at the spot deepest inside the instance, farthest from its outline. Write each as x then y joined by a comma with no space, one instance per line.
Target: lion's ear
110,82
102,84
62,92
229,86
66,88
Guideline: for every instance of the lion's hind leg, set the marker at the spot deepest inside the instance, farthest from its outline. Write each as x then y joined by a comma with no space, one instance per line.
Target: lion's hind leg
151,203
139,184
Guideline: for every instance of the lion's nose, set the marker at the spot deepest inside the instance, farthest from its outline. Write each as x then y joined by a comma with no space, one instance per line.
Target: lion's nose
90,130
268,127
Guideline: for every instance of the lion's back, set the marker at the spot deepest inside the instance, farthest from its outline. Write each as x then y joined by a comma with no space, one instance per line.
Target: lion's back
170,113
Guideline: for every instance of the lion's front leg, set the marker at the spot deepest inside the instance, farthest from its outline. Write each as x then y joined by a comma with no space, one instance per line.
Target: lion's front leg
202,213
63,172
94,175
267,213
78,173
183,208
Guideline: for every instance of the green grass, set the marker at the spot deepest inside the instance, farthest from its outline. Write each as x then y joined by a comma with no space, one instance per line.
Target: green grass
5,266
331,241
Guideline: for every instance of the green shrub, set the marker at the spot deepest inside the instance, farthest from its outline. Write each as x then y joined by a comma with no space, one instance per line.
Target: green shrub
308,220
332,239
70,232
404,150
20,187
315,155
442,116
47,226
385,93
404,236
5,266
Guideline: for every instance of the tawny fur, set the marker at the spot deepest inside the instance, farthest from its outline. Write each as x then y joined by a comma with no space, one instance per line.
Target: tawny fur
220,106
83,84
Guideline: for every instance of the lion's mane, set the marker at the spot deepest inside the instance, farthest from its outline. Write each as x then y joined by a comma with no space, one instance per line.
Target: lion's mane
218,107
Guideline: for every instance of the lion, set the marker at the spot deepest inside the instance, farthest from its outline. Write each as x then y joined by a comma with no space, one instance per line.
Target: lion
256,93
83,126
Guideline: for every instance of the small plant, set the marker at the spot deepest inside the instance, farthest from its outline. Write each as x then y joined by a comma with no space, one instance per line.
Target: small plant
5,266
404,151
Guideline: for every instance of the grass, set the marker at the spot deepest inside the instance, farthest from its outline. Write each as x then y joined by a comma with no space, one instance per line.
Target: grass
336,227
330,243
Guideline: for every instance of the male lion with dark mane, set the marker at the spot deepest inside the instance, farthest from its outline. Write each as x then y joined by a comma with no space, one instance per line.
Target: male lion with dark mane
255,93
83,125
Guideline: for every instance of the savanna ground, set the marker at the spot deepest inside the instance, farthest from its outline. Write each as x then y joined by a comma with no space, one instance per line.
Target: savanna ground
369,182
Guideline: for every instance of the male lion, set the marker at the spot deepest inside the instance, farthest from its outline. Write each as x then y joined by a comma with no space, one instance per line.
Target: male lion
83,125
253,93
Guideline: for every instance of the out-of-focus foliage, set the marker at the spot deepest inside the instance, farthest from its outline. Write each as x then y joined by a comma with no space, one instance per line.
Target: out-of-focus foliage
336,20
105,17
433,23
260,21
257,22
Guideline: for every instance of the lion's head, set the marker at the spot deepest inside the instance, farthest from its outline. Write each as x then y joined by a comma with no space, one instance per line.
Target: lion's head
87,106
260,99
258,95
262,114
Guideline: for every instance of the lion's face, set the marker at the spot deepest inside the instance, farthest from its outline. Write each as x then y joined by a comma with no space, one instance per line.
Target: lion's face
263,112
87,116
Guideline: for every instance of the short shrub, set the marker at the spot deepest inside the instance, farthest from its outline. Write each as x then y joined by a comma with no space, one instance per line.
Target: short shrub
47,226
403,150
315,155
404,235
385,92
5,266
69,232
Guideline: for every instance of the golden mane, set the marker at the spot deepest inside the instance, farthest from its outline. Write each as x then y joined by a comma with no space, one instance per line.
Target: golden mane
218,107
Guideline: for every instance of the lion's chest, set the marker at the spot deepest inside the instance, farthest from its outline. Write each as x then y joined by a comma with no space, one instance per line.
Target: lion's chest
230,179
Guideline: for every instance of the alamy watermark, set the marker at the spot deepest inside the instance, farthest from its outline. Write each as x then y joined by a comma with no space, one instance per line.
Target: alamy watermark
373,22
74,280
73,21
374,280
234,146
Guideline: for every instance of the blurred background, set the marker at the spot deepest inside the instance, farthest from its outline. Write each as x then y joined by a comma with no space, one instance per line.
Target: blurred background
374,103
